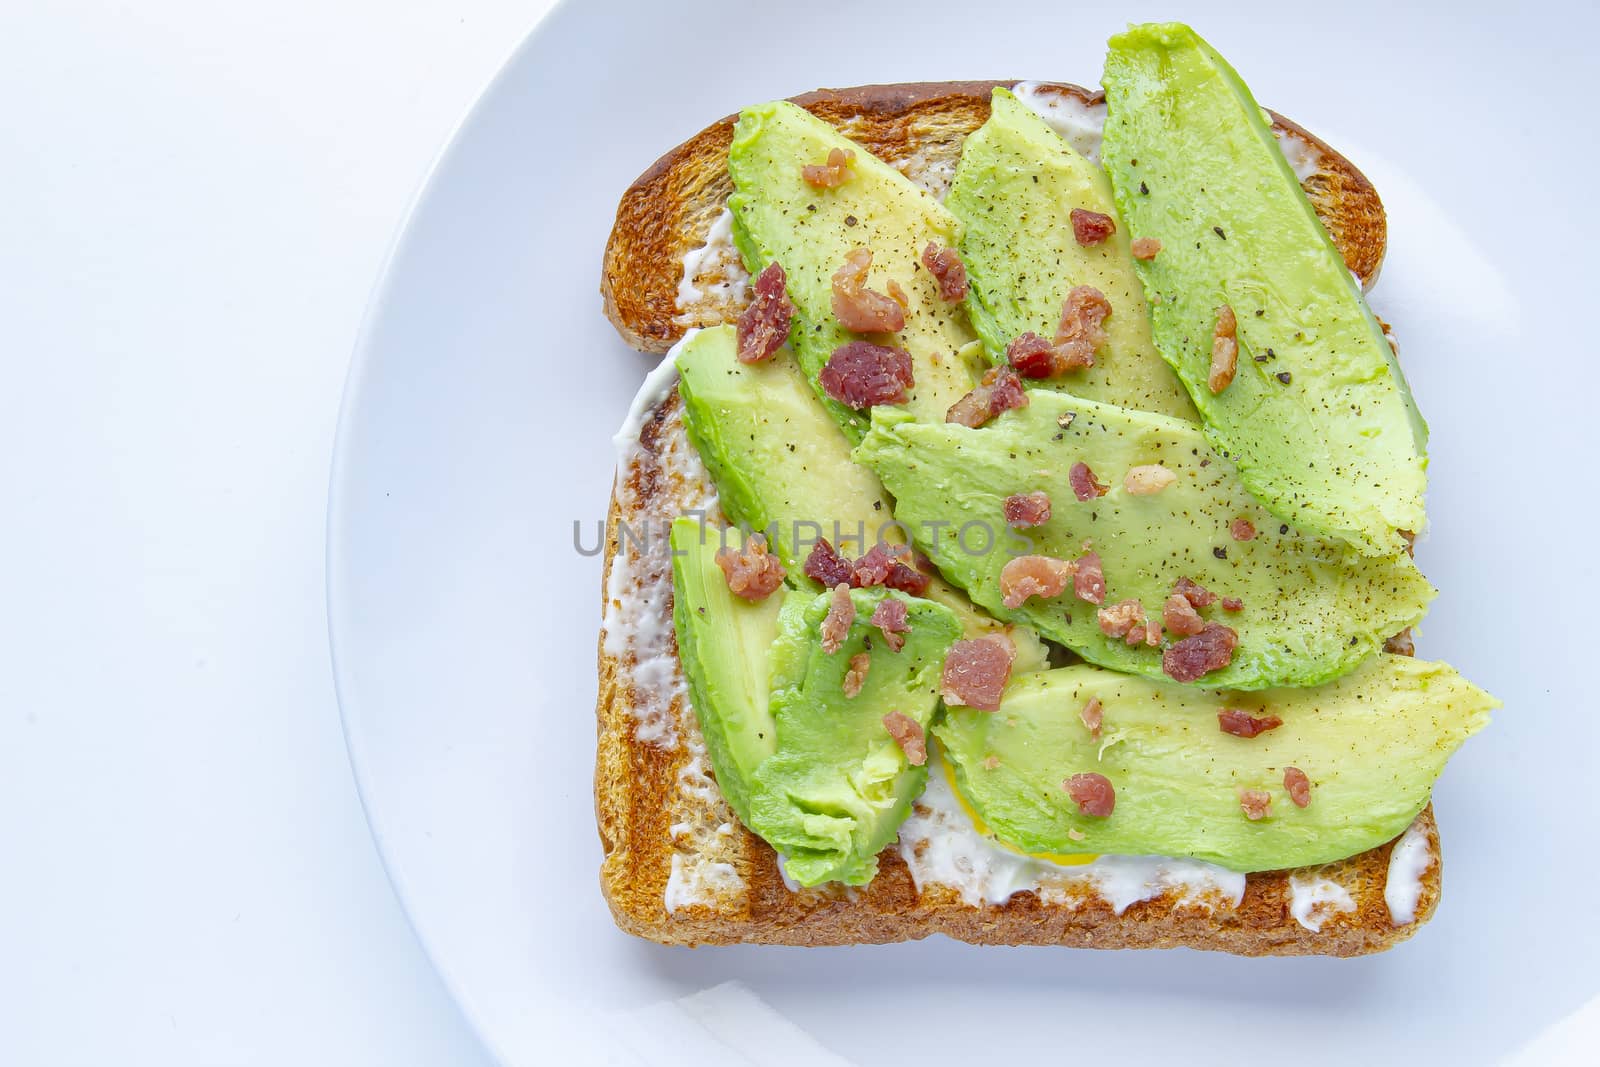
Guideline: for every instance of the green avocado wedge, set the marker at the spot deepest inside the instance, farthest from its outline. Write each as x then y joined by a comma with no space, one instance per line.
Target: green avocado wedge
1014,191
779,463
1312,608
723,644
781,466
837,788
1318,419
778,216
1371,744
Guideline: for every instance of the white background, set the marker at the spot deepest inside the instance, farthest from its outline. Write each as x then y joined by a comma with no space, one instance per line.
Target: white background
195,200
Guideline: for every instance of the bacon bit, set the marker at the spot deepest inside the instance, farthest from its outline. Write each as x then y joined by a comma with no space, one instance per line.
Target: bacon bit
860,374
764,326
1232,604
1000,391
1298,785
897,294
1257,803
1195,593
907,733
841,616
1180,617
825,565
875,567
976,672
1194,657
856,676
1401,644
1085,486
1081,332
1242,530
890,617
1152,633
1089,579
1241,723
1224,350
751,573
907,579
861,309
1147,479
1032,355
1145,248
991,762
1028,509
946,266
1092,793
832,174
1091,228
1092,715
1034,576
1124,619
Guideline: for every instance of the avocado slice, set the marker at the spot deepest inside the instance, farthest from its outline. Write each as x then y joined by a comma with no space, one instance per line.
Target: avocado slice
1371,743
838,787
782,466
723,644
1014,191
779,463
1313,608
1318,418
777,216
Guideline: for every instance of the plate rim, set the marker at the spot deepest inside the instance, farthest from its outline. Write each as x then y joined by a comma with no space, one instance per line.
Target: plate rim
356,375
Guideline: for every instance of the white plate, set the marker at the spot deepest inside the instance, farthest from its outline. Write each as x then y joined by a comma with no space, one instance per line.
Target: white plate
476,432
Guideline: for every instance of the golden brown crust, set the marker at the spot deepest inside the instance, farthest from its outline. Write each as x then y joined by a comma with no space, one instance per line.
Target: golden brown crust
670,208
636,788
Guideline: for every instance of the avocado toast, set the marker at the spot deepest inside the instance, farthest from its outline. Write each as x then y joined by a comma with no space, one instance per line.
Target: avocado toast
1107,796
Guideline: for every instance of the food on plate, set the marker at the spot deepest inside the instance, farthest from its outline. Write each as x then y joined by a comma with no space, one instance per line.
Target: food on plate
1016,541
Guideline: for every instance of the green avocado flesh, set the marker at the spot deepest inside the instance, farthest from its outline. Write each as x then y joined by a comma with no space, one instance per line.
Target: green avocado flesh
723,643
781,465
1313,608
1318,419
838,787
1371,743
1014,192
778,216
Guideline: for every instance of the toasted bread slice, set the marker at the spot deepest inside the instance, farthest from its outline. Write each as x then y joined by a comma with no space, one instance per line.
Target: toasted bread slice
918,127
678,867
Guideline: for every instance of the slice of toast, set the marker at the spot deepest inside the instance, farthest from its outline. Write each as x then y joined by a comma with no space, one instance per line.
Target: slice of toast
678,867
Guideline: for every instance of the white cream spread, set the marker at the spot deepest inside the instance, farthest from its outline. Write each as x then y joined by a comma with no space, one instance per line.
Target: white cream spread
1304,157
941,846
933,175
1408,862
1313,902
638,624
1078,123
638,633
697,882
714,270
1081,125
